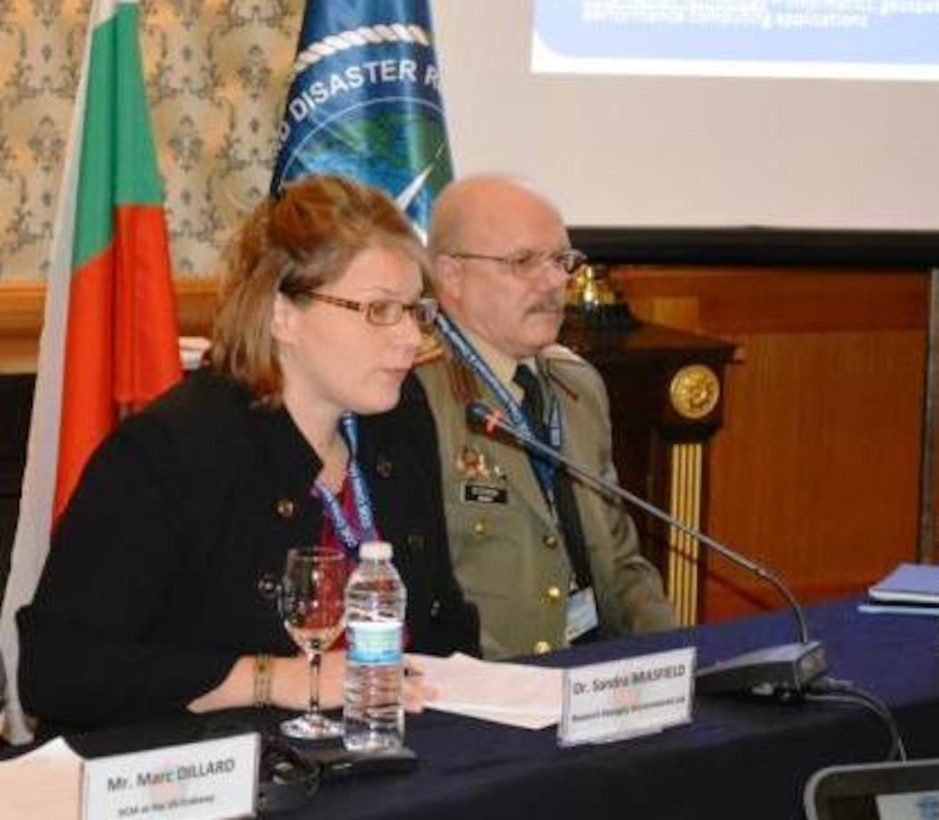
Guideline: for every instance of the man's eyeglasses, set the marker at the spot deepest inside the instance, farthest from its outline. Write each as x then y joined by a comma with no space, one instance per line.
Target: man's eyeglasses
384,312
529,263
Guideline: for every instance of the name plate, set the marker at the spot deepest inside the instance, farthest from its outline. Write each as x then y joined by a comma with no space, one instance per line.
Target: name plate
626,698
210,780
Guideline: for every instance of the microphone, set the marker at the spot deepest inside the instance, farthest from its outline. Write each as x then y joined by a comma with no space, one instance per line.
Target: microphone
785,671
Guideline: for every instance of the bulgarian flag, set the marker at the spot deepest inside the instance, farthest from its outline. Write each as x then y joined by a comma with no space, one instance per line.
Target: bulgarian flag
109,342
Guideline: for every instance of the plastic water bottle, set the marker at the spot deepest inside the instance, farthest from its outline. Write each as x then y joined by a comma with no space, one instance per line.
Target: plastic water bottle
373,711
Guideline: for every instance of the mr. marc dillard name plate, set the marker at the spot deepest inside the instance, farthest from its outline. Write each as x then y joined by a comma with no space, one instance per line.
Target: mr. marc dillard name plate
209,780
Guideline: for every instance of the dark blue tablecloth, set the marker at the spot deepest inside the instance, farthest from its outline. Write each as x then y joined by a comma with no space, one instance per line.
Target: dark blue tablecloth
738,758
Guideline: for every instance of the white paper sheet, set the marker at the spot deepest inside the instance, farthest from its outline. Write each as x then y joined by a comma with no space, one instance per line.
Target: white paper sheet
42,783
509,693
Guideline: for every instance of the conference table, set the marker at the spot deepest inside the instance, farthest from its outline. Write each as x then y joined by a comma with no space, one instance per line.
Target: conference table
739,757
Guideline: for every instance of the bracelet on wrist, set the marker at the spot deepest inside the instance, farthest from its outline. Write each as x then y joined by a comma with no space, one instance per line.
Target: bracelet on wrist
262,680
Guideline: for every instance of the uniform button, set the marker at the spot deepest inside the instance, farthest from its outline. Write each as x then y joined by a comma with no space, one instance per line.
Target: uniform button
435,608
541,647
384,467
415,541
267,586
479,528
286,508
550,541
553,594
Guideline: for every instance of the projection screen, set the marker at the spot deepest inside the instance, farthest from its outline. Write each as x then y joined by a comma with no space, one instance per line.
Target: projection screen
818,115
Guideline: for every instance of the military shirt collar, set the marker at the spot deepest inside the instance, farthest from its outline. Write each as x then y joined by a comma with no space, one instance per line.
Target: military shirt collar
501,364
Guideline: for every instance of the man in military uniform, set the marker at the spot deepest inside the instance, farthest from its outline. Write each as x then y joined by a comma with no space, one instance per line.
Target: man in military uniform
546,559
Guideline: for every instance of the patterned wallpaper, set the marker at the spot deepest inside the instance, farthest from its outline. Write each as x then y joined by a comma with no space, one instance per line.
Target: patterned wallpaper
217,74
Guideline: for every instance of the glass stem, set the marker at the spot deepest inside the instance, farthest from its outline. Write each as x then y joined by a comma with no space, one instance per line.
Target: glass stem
316,658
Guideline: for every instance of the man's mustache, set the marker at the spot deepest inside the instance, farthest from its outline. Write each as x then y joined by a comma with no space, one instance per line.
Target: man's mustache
550,304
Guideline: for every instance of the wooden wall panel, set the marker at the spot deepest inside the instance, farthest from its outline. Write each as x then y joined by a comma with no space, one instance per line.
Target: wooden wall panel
21,315
722,301
816,471
21,306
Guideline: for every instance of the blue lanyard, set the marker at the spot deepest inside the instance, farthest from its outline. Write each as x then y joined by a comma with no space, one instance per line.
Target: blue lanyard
544,470
350,534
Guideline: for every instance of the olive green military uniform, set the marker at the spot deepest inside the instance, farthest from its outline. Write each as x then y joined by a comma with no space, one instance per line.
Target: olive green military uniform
508,551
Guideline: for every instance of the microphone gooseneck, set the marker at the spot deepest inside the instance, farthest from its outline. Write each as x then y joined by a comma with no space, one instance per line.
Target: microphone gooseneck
782,671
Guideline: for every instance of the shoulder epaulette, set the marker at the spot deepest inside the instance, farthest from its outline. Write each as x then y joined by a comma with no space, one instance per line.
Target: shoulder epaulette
430,350
463,383
558,354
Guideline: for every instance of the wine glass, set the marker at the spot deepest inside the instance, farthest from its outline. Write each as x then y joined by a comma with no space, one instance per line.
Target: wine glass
311,604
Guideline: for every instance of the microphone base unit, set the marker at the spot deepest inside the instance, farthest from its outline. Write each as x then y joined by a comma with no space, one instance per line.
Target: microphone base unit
783,672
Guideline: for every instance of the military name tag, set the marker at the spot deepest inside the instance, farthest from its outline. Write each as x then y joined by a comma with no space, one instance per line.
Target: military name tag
483,494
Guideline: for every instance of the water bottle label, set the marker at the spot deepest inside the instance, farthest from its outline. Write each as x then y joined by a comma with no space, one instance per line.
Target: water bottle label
374,642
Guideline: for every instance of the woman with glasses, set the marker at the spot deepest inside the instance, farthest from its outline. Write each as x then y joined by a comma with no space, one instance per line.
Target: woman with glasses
160,591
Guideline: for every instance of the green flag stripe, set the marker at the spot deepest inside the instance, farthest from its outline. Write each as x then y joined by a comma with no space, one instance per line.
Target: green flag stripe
117,154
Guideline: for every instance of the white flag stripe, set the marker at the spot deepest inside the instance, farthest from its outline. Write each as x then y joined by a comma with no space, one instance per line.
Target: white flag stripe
31,542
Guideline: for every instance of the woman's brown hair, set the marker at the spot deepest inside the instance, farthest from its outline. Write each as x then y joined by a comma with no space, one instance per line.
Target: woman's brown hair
293,244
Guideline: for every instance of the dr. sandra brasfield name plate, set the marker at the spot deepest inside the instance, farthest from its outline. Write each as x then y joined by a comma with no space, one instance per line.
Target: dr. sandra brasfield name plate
626,698
209,780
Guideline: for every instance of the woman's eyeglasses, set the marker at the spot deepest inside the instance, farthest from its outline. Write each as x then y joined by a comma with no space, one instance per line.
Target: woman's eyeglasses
384,312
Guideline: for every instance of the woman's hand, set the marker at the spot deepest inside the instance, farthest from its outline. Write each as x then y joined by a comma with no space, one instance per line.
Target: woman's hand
290,681
290,685
415,692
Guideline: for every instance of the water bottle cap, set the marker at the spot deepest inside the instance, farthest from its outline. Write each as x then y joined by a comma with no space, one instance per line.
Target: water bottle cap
375,551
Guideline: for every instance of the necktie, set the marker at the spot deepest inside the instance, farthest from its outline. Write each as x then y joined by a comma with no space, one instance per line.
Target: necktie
565,504
532,400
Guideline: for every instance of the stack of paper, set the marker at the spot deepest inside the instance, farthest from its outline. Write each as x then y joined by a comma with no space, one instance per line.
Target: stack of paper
43,783
911,589
510,693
